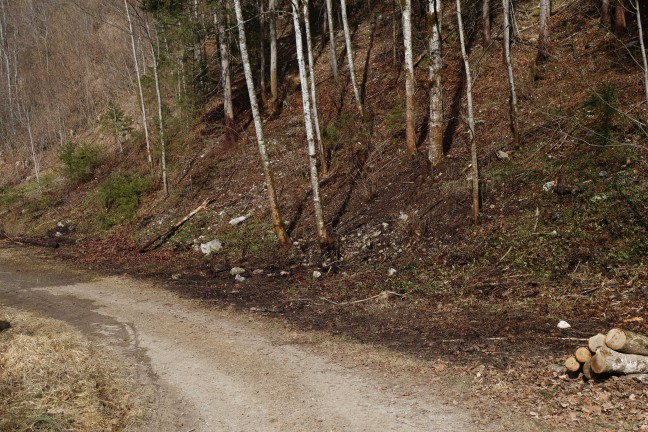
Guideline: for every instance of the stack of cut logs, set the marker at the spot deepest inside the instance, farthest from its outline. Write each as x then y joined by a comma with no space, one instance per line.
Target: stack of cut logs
620,352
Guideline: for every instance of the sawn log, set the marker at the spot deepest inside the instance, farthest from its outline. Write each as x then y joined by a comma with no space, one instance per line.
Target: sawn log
627,342
606,360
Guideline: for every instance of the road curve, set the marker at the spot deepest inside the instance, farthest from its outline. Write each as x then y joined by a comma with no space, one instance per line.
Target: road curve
217,370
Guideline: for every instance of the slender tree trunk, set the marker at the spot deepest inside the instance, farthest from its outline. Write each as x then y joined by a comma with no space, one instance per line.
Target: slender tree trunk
33,148
643,48
139,86
513,103
349,49
322,232
156,57
619,17
435,147
332,51
262,56
274,83
410,129
486,24
228,106
470,116
277,221
543,36
605,12
4,45
313,92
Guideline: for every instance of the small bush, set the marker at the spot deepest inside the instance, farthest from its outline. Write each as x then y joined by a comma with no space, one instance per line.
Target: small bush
602,105
79,163
120,198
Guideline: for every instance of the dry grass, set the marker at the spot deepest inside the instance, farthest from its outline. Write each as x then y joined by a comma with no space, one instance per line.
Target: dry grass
53,379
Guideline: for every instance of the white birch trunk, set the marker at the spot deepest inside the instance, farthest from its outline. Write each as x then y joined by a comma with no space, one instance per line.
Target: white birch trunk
228,106
513,103
410,129
163,158
331,29
277,221
349,49
262,56
543,37
313,92
274,83
643,48
139,86
324,238
435,147
471,118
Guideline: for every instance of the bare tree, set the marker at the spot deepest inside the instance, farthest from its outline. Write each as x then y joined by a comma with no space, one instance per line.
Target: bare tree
277,221
643,48
470,117
513,103
223,42
331,29
543,36
410,130
620,25
435,147
605,12
139,85
274,83
349,49
486,24
313,92
322,231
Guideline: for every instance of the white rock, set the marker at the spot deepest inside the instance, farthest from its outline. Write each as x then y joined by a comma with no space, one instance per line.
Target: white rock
548,187
284,273
563,325
403,217
211,247
502,155
239,278
238,220
257,272
317,275
237,271
391,272
60,224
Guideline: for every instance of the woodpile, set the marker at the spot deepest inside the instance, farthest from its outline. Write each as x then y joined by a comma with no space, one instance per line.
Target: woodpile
620,352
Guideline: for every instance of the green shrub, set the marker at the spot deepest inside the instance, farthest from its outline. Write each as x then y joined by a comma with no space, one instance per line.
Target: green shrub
120,198
79,163
602,105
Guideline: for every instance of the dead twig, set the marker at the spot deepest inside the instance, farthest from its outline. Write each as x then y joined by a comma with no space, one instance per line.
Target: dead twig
362,300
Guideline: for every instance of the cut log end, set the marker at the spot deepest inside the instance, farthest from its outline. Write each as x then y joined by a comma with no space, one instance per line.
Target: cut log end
587,370
572,364
596,342
583,354
616,339
627,342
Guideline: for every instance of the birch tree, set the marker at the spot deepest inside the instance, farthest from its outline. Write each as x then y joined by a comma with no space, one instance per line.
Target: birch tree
224,47
274,83
513,103
643,48
410,130
139,85
277,221
322,232
470,117
435,147
349,50
543,36
313,92
331,29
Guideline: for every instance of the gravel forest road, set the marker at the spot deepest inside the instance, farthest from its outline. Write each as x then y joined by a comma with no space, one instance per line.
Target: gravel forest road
213,369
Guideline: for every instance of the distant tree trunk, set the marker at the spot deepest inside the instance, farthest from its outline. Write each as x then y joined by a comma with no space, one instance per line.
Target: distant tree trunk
643,48
486,24
513,104
543,36
605,12
410,129
4,48
313,92
435,147
156,57
322,232
139,86
277,221
33,148
262,56
274,84
349,49
228,106
619,17
332,51
470,116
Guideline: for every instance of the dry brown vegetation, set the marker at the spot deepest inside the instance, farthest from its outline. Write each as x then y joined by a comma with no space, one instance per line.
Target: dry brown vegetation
53,379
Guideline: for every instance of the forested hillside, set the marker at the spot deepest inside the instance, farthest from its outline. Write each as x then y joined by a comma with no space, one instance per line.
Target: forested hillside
397,172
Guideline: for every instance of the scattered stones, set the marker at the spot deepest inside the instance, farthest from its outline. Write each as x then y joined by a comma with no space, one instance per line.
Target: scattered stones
258,272
237,271
564,325
284,273
317,274
391,272
239,278
548,187
502,155
238,220
211,247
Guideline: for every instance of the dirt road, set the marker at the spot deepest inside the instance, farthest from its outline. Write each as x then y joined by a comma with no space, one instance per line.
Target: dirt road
207,369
